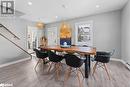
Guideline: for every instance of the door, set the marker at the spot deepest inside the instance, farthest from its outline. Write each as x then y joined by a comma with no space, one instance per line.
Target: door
52,36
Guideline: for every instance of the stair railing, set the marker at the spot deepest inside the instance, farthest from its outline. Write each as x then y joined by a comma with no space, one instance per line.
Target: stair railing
12,41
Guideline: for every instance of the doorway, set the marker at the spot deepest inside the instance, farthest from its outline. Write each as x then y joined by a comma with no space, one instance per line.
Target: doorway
33,38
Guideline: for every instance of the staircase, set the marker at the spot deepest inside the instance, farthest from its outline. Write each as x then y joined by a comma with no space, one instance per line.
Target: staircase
10,50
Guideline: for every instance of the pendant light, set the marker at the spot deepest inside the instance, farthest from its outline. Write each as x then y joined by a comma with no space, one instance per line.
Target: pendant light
40,25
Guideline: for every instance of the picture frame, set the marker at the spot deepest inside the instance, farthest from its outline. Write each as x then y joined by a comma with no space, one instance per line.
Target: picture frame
84,33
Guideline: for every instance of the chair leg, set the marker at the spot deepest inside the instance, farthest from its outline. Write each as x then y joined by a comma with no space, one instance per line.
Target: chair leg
50,67
106,70
49,63
44,60
37,63
94,68
58,70
81,73
67,74
80,84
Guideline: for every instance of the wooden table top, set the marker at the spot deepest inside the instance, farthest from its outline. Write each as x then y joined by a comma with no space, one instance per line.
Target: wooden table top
85,50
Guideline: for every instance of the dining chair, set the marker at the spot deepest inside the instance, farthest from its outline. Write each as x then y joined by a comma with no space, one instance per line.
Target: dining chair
73,62
41,56
102,58
73,45
85,45
56,60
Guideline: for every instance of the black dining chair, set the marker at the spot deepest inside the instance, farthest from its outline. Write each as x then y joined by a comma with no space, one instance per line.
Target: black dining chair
41,56
73,45
102,58
73,62
56,60
85,45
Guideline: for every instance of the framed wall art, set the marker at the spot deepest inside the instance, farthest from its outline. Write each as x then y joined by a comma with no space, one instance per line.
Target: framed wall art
84,33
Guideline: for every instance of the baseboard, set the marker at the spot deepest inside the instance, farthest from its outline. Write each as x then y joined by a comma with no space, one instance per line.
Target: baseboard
10,63
122,61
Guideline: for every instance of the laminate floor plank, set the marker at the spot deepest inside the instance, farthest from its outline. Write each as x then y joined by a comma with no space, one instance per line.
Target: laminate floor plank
23,75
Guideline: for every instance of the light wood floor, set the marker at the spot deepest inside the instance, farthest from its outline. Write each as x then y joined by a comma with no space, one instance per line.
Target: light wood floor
23,75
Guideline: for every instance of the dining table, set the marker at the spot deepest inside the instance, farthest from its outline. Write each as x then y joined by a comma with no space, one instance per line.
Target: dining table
86,51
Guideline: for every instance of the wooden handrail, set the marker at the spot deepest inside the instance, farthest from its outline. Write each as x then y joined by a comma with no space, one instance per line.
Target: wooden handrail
10,31
16,45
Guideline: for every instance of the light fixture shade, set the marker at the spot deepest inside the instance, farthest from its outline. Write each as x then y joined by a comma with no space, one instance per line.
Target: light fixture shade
65,35
65,30
40,25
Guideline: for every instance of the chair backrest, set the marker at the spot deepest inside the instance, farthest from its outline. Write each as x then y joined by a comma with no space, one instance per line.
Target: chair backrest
37,53
103,56
73,60
85,45
40,54
73,45
54,57
112,52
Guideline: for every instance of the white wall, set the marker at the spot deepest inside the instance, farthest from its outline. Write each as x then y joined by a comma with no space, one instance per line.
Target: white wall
106,28
9,52
126,33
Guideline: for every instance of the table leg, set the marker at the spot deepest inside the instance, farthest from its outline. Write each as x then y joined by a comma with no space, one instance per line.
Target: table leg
89,63
87,66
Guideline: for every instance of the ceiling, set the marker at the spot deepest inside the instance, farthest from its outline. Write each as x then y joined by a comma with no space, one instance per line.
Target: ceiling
55,10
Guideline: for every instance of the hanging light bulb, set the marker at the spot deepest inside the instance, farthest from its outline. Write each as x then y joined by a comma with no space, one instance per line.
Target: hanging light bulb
40,25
